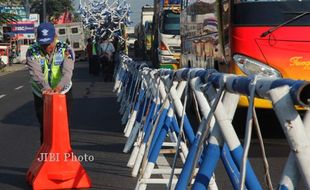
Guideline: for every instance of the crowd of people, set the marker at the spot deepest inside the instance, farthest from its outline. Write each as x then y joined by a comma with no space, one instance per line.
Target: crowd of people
101,56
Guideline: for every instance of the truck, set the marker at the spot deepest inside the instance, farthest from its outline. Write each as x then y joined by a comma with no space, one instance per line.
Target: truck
166,31
246,38
144,31
73,34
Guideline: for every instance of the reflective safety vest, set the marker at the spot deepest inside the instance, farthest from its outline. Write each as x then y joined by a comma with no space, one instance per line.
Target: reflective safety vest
52,71
94,48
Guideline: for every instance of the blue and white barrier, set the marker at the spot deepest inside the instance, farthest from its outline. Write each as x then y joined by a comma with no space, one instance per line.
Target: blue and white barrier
153,105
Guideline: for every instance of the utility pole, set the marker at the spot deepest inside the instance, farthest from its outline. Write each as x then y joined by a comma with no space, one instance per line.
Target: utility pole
27,7
44,11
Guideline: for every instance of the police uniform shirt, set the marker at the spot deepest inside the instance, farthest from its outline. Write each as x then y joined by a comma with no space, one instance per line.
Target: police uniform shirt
36,72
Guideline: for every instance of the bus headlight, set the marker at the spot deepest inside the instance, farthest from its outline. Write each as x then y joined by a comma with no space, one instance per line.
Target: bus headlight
253,67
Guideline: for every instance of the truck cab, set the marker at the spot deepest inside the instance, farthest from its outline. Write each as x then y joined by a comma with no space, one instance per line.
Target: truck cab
73,34
166,26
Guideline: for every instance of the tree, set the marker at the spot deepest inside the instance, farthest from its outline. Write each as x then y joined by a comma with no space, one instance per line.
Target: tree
54,8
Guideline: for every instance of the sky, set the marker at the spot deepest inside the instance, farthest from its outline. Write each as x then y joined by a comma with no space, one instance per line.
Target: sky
136,6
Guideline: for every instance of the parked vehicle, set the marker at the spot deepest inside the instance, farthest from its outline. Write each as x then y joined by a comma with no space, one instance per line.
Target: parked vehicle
73,34
246,37
131,37
144,31
4,55
166,31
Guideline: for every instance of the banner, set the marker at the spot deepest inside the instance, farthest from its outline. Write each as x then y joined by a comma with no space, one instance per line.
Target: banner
21,27
20,11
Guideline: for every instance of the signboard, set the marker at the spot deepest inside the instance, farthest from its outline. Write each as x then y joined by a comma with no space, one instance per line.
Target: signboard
34,18
20,11
22,27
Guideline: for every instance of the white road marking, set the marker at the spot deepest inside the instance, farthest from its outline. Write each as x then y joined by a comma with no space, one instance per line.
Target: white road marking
17,88
2,95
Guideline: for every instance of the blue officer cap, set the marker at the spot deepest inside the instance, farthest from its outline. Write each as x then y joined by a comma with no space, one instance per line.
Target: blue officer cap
45,33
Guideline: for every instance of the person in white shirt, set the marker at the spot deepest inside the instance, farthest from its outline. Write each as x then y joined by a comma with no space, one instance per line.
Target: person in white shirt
106,53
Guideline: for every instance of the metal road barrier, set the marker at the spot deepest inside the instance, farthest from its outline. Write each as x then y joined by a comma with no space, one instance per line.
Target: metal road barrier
153,105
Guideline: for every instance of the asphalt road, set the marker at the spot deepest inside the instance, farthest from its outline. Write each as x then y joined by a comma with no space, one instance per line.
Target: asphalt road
96,130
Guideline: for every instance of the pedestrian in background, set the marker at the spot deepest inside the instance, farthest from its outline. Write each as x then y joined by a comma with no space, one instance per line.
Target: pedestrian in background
107,52
136,48
50,63
89,51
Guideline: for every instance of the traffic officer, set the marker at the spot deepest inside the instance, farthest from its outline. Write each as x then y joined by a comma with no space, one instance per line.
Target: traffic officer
50,63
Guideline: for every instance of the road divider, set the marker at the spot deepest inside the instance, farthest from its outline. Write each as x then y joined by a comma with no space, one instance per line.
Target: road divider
55,165
157,123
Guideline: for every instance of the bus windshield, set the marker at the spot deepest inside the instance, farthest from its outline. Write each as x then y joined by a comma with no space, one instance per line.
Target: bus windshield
171,23
255,1
249,12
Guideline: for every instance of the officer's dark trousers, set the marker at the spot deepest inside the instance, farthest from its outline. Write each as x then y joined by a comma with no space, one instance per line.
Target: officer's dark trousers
95,65
90,69
38,104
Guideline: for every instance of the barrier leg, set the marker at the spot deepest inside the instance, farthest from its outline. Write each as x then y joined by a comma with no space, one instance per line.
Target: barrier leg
159,126
146,138
294,130
179,107
138,161
133,135
215,145
133,117
231,101
232,140
153,155
291,176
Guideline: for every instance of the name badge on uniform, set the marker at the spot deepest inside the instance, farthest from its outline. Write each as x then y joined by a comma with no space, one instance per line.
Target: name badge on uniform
42,62
58,59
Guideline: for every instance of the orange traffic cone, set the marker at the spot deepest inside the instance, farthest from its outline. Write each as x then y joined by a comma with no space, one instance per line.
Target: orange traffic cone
55,166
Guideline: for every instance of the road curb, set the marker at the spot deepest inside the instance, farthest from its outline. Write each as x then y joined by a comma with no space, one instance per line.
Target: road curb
13,68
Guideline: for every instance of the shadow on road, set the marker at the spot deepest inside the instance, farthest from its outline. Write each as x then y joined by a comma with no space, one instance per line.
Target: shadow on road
99,114
24,116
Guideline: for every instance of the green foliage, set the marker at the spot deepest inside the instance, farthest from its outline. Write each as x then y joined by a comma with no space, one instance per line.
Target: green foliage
54,8
77,17
11,3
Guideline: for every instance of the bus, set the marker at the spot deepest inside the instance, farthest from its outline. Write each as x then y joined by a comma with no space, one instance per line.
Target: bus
246,37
